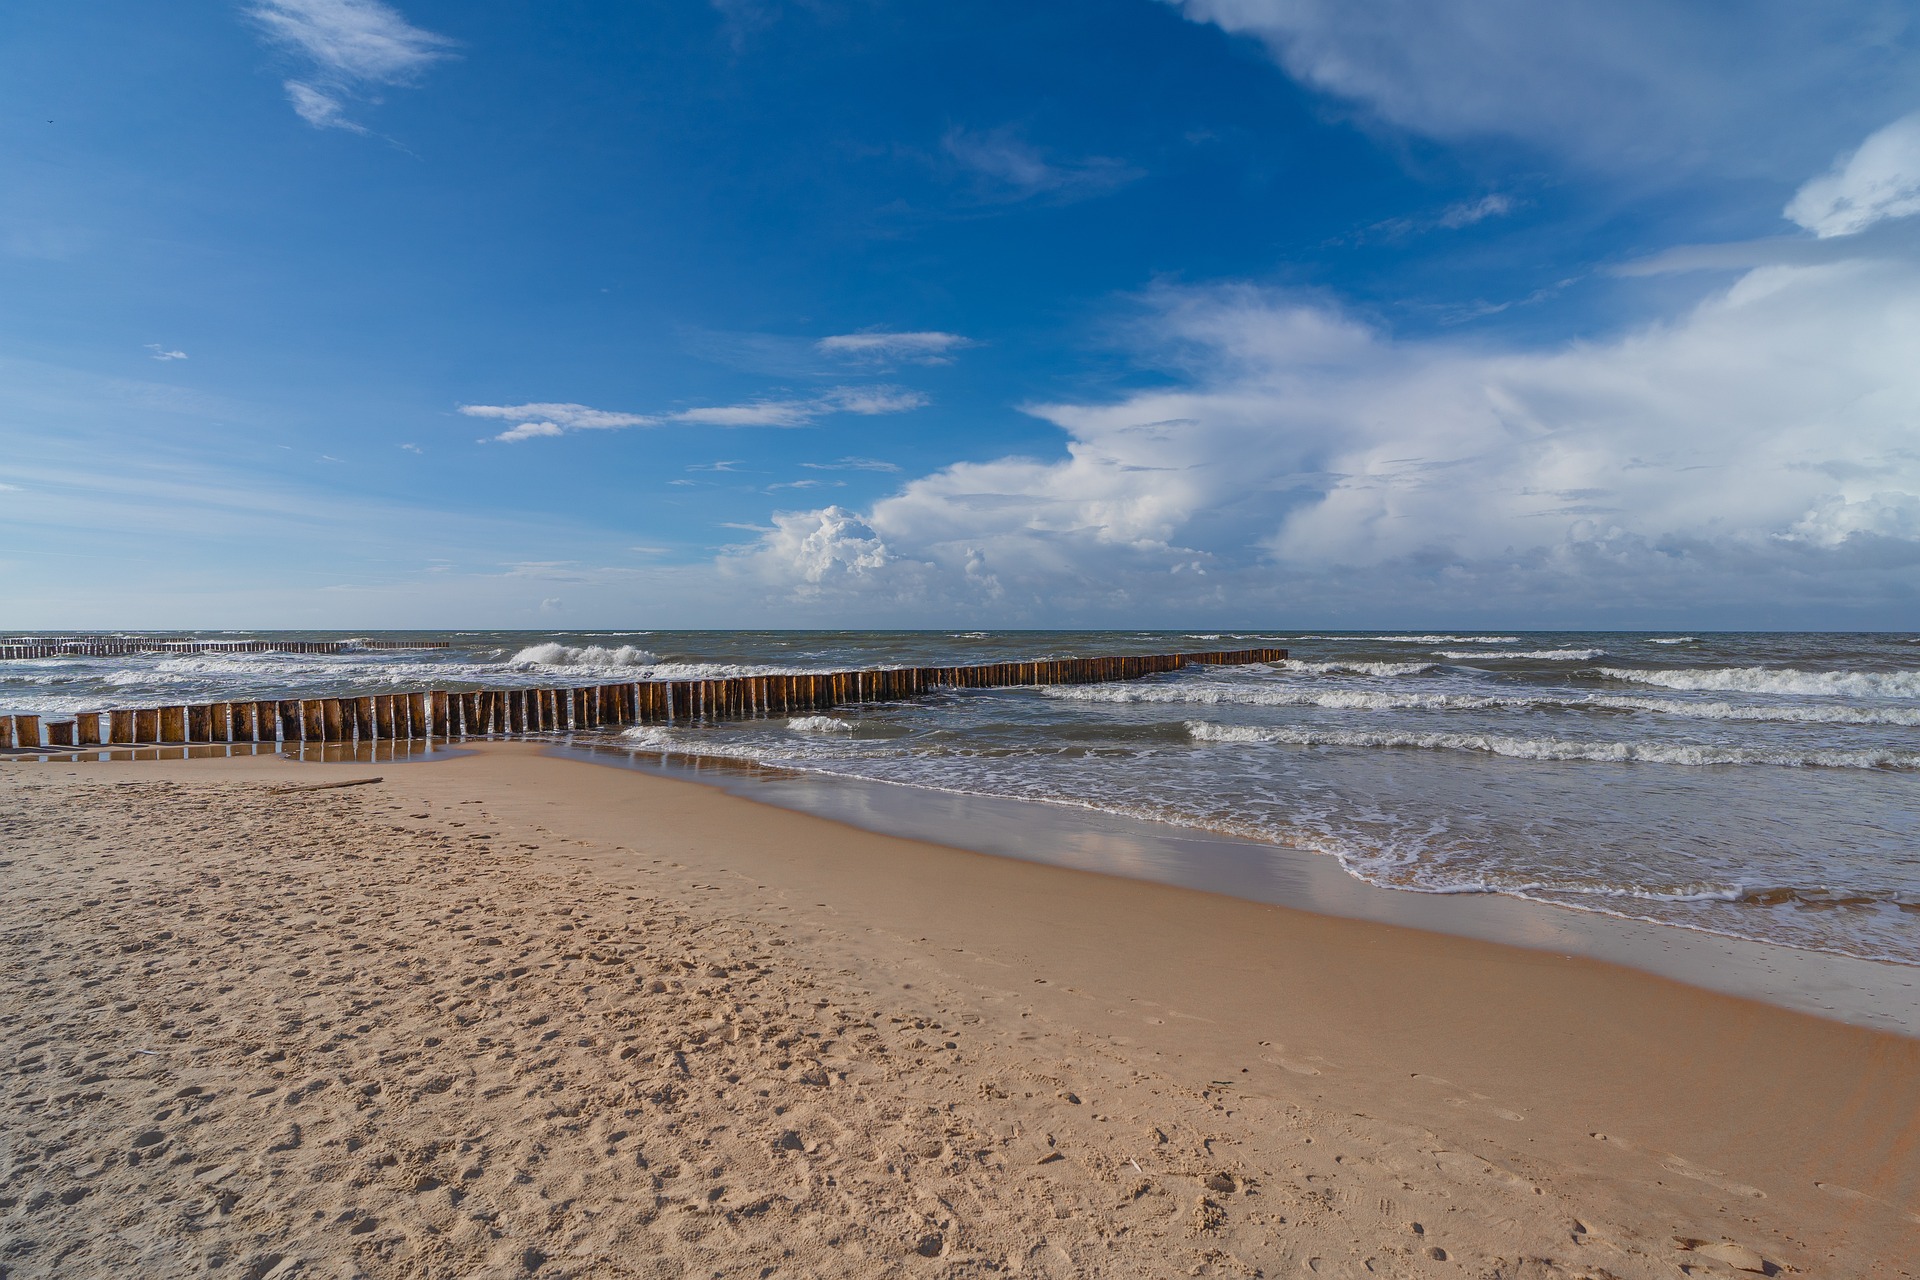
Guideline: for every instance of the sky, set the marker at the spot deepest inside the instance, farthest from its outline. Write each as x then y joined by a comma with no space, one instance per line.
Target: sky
864,313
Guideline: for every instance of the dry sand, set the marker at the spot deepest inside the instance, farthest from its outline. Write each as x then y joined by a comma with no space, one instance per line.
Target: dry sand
511,1015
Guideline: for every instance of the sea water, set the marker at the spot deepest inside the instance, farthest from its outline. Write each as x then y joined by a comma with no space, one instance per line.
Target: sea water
1760,786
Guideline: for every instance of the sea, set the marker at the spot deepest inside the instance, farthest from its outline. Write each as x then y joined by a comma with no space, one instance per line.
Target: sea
1763,786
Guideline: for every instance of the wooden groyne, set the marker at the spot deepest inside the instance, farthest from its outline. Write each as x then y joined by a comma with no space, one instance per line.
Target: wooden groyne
442,714
27,647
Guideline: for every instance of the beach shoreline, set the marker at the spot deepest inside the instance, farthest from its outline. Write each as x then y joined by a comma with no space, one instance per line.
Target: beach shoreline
1317,1084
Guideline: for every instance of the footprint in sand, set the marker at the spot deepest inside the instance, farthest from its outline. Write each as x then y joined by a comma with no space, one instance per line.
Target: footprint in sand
1712,1177
1848,1193
1288,1064
1474,1101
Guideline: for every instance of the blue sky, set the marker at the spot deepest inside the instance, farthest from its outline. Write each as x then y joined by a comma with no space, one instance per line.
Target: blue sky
858,312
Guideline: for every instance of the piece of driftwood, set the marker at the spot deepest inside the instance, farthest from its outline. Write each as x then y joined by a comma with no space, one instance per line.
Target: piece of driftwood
322,786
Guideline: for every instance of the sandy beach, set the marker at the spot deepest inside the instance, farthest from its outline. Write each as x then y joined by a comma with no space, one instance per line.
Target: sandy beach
512,1015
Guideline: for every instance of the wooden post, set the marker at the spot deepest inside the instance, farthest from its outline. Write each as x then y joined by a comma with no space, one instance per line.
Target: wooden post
89,725
416,715
173,724
442,708
23,731
199,724
60,733
334,719
291,728
313,721
6,733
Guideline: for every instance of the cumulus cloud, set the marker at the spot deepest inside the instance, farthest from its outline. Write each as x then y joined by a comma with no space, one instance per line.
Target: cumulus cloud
1880,180
534,421
1608,83
1755,451
1005,167
356,47
165,353
883,347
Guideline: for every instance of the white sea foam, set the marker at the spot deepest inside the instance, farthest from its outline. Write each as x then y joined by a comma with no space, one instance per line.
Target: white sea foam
1360,668
1276,695
1678,753
554,654
1675,640
819,724
1538,655
1781,680
1427,639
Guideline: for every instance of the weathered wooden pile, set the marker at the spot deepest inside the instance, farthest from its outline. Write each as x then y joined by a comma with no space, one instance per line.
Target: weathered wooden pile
443,714
29,647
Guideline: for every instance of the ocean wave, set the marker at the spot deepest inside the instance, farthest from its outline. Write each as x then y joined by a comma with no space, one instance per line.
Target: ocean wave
1538,655
1266,695
554,654
1675,640
819,724
1781,680
1360,668
1435,639
1674,753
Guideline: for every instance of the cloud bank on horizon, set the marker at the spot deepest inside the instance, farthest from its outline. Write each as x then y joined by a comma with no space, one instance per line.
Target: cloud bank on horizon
1764,442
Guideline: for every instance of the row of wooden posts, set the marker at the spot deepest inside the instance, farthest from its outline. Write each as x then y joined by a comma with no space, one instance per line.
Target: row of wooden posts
440,714
24,647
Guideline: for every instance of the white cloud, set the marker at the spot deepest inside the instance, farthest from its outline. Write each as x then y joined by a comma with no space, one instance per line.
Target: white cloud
1468,212
541,419
165,353
1757,452
851,464
1612,84
881,346
1005,167
1880,180
355,46
412,448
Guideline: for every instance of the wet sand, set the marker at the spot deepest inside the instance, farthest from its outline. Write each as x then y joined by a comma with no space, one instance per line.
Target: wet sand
509,1015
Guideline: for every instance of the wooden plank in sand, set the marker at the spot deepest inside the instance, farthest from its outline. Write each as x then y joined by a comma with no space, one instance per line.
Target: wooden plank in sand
88,724
199,724
173,724
120,727
59,733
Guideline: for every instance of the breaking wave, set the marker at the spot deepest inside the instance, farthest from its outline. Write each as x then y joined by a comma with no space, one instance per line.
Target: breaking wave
1424,639
1538,655
1360,668
1782,680
819,724
1377,700
554,654
1676,753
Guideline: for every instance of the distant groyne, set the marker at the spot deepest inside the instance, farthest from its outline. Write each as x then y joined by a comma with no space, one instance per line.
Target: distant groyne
444,715
40,648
